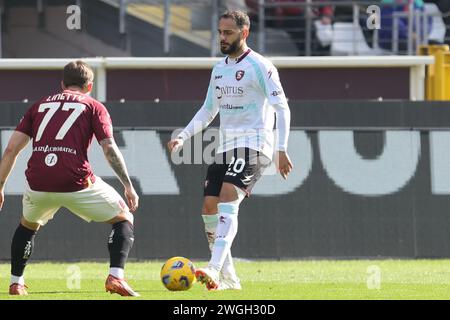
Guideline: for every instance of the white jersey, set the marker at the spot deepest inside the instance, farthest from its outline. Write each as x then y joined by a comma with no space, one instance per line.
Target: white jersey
246,92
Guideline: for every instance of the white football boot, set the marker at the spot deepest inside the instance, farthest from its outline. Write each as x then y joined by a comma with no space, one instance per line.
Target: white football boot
229,282
209,277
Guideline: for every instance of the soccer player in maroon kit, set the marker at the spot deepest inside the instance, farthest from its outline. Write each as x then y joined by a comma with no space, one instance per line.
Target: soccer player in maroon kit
62,127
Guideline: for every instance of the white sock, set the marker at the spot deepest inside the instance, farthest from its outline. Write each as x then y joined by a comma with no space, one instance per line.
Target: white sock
15,279
211,221
117,272
228,267
225,233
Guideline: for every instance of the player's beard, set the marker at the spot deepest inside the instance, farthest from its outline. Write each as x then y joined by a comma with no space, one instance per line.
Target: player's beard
232,48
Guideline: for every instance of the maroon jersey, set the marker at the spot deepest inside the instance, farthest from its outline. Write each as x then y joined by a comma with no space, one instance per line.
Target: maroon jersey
62,127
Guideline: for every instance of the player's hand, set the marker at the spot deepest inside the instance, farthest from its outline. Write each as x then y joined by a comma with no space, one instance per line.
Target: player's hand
284,164
2,198
132,198
174,145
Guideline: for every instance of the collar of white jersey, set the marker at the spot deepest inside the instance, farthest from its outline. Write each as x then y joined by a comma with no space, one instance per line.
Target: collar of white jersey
228,60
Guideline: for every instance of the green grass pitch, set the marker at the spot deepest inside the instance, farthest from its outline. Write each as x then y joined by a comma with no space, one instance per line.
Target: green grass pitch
261,280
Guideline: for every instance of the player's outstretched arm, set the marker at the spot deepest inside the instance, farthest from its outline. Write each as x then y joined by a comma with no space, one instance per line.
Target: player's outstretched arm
201,120
16,143
204,116
117,163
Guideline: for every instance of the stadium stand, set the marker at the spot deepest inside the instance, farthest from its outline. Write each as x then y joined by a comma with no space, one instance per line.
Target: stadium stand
99,35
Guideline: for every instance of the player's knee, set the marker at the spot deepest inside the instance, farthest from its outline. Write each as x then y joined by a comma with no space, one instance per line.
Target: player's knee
210,205
29,225
228,208
231,208
228,217
123,216
123,230
231,193
128,217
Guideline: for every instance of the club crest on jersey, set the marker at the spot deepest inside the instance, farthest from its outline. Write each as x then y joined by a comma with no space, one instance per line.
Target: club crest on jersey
239,74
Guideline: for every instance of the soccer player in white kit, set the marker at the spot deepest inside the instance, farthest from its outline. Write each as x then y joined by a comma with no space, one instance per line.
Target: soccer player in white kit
245,89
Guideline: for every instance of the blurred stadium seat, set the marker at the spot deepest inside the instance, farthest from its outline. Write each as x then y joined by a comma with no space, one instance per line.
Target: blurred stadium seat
438,28
349,39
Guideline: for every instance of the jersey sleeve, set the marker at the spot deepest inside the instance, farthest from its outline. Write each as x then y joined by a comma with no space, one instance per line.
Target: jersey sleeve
204,116
25,124
101,122
276,97
272,85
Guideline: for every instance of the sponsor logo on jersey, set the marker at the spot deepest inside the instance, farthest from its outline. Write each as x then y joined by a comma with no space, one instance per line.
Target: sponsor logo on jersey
229,91
218,93
219,76
230,107
270,73
48,148
239,74
222,219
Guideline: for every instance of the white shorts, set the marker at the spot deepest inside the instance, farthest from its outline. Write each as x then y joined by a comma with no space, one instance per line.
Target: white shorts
99,202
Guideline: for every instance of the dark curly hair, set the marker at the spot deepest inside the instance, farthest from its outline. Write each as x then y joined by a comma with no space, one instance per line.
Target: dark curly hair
239,17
